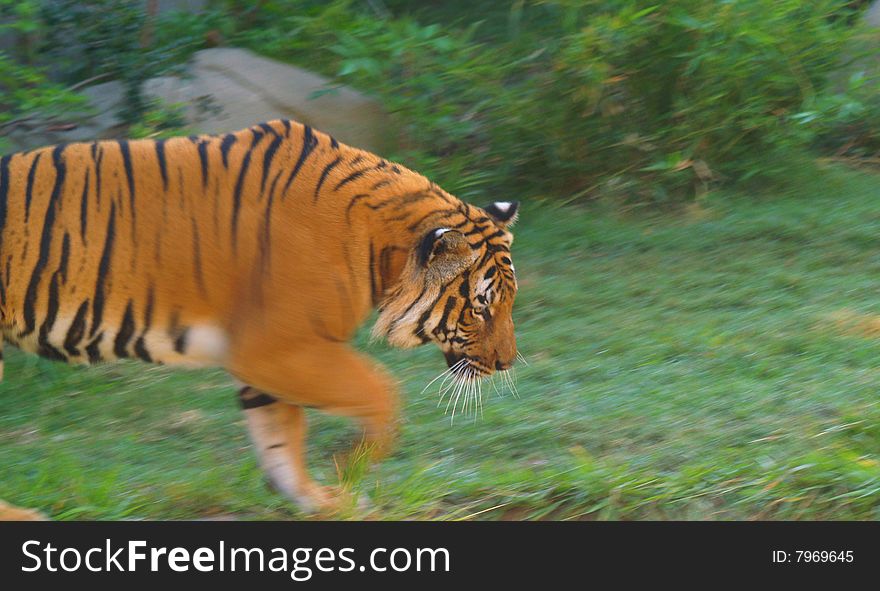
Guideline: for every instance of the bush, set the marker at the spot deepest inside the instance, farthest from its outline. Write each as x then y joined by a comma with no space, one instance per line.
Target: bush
645,99
846,122
652,100
116,39
679,95
27,96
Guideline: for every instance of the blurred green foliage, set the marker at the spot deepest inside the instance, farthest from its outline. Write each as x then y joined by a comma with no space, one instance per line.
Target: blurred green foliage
637,99
117,39
59,45
647,100
25,89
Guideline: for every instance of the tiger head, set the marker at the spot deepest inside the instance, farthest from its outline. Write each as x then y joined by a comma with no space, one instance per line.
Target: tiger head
457,290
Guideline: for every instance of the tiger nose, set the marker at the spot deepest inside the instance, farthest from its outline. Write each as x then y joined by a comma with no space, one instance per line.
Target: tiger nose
501,366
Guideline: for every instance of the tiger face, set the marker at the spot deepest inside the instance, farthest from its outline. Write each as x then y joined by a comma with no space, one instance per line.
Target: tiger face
457,290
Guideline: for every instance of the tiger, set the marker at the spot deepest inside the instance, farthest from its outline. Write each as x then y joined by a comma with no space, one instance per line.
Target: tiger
261,252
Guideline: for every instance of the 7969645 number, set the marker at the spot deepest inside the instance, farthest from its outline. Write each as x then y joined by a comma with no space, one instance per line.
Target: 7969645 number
823,556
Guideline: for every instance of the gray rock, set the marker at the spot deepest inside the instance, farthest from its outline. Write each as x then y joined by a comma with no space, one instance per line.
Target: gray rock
240,89
872,15
249,88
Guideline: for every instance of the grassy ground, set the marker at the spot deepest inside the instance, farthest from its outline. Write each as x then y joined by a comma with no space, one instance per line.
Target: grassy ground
715,363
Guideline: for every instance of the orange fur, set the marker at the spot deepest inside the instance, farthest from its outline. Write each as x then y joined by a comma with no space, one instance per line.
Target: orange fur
262,252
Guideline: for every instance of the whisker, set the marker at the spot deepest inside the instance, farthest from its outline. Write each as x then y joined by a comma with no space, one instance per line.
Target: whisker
462,389
455,393
444,389
479,400
510,383
451,372
513,382
443,373
521,357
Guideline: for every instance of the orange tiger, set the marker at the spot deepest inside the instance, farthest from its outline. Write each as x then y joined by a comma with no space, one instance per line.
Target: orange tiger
261,252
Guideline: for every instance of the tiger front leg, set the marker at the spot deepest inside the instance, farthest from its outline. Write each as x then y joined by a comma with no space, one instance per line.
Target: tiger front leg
330,377
278,433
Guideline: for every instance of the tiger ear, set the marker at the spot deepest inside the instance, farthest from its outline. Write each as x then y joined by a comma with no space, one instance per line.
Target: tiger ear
504,213
441,243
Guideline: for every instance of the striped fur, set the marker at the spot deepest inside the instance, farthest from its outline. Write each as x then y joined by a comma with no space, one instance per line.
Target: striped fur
229,250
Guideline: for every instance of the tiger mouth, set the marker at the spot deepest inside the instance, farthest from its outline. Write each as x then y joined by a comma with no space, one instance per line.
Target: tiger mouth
464,365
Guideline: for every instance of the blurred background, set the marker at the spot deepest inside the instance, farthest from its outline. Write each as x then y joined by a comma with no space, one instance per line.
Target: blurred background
698,249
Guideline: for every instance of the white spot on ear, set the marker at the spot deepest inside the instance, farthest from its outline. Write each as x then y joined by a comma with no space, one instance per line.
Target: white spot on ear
502,206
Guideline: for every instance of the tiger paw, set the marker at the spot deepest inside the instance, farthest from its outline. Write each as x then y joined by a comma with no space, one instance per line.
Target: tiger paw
329,501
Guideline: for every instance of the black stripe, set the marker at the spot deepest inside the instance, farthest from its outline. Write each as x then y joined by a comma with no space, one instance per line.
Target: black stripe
397,200
77,330
45,242
266,234
126,331
411,306
309,143
163,167
286,124
84,208
129,174
352,177
65,256
267,159
351,205
103,269
180,341
464,290
225,145
140,350
254,401
92,349
373,287
447,309
268,128
324,174
385,264
420,323
45,348
203,157
29,190
98,157
197,258
4,194
333,143
236,196
441,214
140,347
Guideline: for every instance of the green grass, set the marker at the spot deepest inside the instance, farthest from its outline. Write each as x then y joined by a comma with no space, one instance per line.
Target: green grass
713,363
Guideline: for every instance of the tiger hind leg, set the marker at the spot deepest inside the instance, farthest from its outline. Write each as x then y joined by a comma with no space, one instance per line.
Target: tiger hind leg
11,513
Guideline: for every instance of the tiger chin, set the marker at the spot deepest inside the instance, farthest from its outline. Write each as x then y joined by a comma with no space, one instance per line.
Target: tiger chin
261,252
